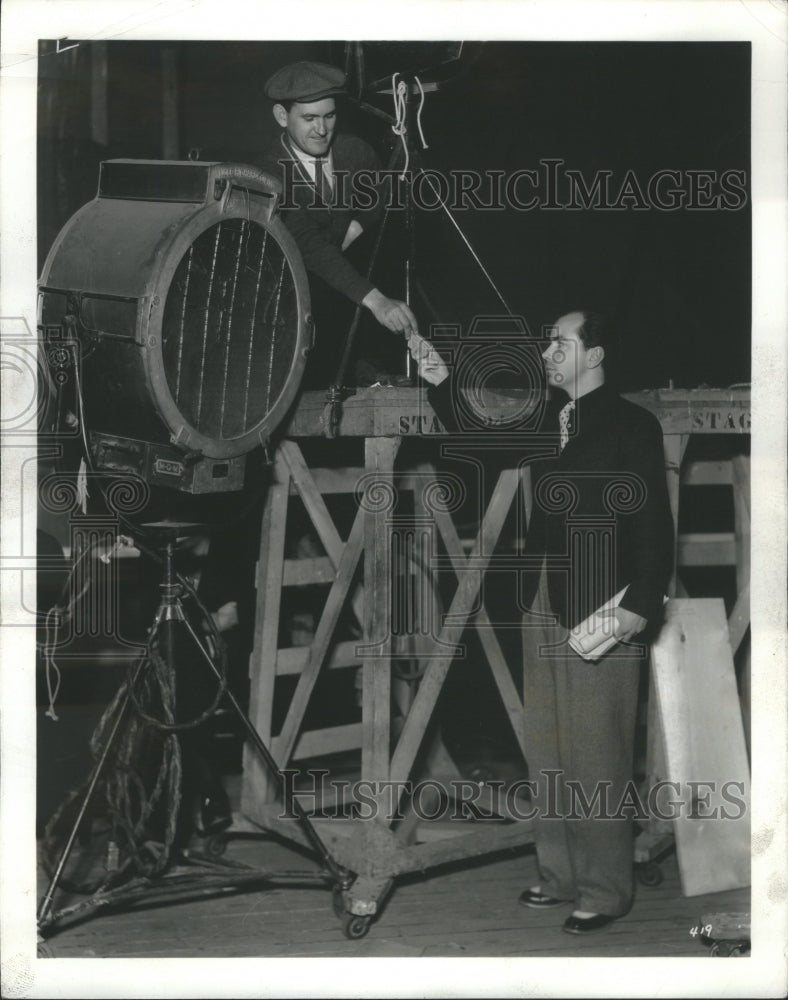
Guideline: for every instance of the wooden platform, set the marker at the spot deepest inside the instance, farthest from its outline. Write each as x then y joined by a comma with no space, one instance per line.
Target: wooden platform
464,909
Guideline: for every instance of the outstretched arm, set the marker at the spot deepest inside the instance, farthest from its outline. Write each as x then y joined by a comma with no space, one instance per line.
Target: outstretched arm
391,313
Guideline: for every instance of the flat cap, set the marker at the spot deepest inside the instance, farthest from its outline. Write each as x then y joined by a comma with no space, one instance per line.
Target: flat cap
305,82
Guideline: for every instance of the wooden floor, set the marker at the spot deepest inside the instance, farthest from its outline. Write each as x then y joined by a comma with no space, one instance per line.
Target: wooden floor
465,909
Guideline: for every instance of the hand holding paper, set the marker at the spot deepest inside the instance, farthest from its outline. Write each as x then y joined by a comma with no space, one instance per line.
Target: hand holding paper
628,624
606,626
432,367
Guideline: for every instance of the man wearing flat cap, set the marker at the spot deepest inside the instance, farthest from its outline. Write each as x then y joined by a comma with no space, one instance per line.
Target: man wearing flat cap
308,157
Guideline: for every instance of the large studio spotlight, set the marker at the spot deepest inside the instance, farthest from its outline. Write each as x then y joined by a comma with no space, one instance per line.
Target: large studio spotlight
189,305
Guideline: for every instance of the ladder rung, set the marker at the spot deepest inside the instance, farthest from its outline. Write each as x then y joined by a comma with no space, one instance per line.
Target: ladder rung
317,742
707,549
340,480
706,473
292,659
303,572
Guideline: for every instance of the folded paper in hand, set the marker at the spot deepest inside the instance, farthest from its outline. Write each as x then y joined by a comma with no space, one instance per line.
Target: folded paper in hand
594,636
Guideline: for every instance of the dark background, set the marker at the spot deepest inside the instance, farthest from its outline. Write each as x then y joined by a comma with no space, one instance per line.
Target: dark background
677,283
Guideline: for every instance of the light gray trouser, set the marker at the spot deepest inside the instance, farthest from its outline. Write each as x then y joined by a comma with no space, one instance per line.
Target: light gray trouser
580,722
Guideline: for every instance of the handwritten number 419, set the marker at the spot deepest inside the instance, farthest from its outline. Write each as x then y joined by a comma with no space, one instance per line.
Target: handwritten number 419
704,931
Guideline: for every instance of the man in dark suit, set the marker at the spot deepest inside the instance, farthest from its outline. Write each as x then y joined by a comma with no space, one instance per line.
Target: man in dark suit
316,165
601,525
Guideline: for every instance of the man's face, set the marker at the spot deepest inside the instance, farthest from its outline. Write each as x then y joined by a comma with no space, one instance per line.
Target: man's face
309,126
566,356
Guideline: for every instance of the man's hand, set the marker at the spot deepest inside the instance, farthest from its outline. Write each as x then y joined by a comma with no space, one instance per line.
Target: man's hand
226,617
628,624
432,367
354,230
394,315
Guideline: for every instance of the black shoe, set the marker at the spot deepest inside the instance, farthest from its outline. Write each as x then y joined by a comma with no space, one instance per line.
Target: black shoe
587,925
539,901
215,812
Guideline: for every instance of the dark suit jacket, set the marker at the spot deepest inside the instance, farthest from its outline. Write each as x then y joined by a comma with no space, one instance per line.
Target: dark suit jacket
601,518
319,230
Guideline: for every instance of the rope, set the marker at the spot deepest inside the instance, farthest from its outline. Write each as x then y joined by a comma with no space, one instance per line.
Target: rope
60,613
399,91
418,114
52,669
130,806
132,802
399,95
142,814
467,243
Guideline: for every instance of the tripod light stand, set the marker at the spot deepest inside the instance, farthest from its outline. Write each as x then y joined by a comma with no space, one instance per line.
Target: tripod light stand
137,869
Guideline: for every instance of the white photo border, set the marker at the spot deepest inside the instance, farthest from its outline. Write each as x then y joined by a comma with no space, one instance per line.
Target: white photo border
761,22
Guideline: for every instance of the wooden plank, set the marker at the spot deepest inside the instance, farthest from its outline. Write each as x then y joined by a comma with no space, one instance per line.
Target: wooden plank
342,479
739,619
674,447
390,412
318,514
704,743
425,472
745,693
282,746
502,676
525,509
479,838
656,771
462,604
703,472
740,616
498,665
467,910
304,572
332,739
293,659
257,786
741,514
379,455
707,548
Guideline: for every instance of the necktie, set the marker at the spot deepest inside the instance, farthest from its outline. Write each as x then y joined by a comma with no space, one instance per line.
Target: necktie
322,183
563,422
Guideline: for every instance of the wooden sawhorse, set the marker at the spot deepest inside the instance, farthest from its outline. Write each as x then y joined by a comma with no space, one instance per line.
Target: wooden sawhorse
394,720
393,725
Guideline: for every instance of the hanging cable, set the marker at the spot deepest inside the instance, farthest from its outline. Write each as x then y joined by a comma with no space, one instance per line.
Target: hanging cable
400,91
418,114
141,806
60,613
467,243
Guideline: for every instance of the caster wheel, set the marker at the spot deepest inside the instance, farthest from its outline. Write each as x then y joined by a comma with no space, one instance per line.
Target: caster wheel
216,845
649,874
355,927
337,902
719,950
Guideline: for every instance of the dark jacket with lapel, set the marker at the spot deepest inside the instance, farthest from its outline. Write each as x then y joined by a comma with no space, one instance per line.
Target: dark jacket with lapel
319,229
600,518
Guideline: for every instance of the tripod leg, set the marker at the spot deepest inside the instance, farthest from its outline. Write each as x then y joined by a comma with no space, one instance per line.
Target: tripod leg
338,873
46,902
